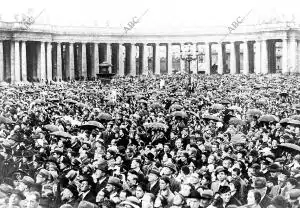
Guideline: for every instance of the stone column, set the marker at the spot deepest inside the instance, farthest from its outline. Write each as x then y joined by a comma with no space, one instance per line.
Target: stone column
245,58
257,58
12,62
23,62
95,68
132,59
207,58
83,61
49,61
264,57
292,51
182,62
108,53
285,68
220,58
298,57
17,62
121,70
1,62
232,58
145,59
42,62
59,63
169,58
70,61
156,59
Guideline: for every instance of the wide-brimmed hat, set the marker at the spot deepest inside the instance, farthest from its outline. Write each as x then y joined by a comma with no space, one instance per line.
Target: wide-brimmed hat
220,169
27,180
115,182
155,171
260,182
207,194
132,201
171,166
274,168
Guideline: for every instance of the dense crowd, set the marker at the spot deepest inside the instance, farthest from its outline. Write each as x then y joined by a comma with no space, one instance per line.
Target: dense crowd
160,141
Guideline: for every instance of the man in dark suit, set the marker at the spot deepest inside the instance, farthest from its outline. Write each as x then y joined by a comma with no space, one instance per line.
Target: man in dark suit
260,185
101,175
153,178
85,190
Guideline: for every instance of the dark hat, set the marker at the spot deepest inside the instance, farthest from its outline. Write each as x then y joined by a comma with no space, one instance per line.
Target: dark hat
253,153
194,195
224,189
155,171
207,194
65,160
86,178
260,182
103,165
274,168
220,169
114,181
73,189
294,194
52,160
279,202
150,156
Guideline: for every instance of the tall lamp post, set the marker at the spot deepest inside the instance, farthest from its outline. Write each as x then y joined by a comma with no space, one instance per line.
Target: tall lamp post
189,56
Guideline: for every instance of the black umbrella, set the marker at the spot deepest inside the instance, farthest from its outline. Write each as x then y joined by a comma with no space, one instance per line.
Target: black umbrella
289,147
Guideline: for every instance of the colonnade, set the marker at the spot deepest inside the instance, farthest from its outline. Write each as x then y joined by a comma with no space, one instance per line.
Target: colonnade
22,61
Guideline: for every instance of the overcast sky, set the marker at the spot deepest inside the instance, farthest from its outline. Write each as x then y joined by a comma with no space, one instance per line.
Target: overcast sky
158,14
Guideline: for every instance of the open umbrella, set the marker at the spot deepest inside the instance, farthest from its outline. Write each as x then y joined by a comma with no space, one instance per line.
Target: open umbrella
262,101
268,118
156,105
51,127
142,101
70,101
295,117
217,107
236,108
284,94
225,102
181,114
111,103
193,113
284,121
156,125
82,105
236,121
92,125
254,112
105,116
6,120
294,122
238,139
61,134
211,117
289,147
176,107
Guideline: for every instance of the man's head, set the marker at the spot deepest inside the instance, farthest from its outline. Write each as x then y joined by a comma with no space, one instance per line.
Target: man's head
33,200
164,183
185,189
260,185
